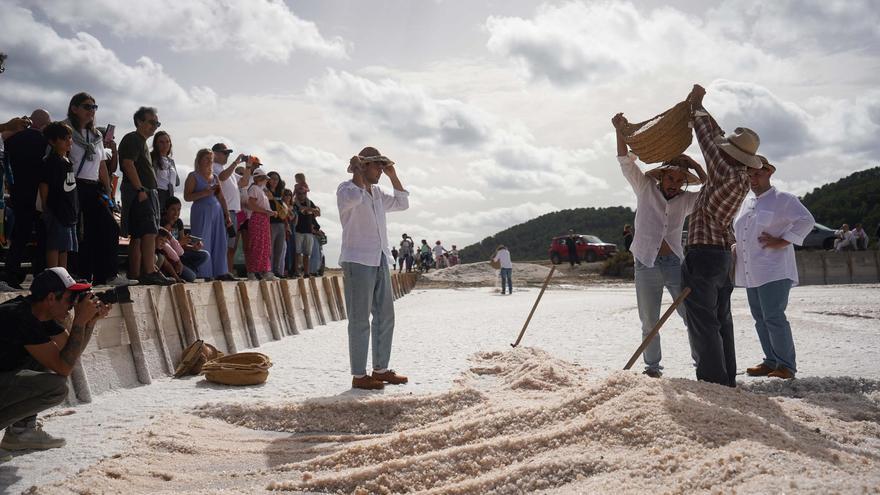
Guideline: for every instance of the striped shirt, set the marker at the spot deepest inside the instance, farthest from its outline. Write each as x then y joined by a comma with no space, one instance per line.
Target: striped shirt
724,191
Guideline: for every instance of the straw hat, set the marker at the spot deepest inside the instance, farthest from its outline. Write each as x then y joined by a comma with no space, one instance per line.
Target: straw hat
656,172
742,145
766,164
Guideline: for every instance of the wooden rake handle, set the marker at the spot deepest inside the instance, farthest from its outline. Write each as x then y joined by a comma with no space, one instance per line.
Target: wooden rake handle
532,312
654,331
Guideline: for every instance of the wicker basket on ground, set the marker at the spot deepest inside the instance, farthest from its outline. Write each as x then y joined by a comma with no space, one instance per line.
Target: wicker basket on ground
244,368
663,137
194,358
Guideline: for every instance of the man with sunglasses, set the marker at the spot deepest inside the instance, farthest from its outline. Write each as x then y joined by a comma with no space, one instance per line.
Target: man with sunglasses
37,353
229,184
140,199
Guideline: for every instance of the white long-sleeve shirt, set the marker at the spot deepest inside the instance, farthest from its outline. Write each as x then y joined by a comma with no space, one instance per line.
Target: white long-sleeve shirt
503,256
364,232
780,214
657,219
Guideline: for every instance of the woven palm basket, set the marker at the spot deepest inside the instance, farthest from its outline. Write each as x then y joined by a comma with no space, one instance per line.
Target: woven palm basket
244,368
194,358
663,137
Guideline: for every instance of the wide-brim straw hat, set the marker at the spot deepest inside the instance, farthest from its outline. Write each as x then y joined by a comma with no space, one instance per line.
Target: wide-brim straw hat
766,164
742,145
655,173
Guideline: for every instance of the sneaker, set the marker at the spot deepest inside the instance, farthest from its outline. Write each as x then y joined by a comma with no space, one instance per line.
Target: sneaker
155,278
252,276
269,276
226,277
653,373
30,437
120,281
782,372
5,456
366,382
759,370
390,377
4,287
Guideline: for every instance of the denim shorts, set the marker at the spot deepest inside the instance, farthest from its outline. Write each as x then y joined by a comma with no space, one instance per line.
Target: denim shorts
59,237
304,243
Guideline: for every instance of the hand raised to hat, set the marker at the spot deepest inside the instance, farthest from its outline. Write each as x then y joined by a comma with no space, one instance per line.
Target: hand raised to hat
618,121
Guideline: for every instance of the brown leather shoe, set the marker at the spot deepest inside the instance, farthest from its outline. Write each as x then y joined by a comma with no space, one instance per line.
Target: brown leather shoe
783,373
390,377
759,370
367,382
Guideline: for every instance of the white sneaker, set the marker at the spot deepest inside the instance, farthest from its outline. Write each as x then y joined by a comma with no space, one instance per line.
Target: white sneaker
269,276
251,276
121,281
31,437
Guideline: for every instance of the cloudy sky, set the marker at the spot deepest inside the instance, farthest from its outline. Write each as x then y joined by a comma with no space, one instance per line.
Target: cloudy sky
496,111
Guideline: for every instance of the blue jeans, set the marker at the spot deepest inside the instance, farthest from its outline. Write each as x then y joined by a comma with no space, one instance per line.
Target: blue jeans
192,260
507,274
768,303
368,291
650,282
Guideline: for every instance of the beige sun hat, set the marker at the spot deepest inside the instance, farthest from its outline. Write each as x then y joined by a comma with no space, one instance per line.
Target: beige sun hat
766,164
742,145
675,164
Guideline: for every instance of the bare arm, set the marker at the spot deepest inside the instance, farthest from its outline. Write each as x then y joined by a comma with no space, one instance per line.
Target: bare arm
618,121
129,170
104,176
61,361
227,172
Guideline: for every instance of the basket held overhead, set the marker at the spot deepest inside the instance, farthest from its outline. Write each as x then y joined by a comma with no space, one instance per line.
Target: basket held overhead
663,137
244,368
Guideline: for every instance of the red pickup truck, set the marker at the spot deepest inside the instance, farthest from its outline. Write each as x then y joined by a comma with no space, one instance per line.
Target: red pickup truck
589,248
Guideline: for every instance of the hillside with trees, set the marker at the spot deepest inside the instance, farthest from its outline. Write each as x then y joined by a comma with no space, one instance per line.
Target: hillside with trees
853,199
531,240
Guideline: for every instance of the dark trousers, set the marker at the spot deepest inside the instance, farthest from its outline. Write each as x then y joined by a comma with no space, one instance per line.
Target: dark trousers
23,199
573,256
27,391
100,241
710,326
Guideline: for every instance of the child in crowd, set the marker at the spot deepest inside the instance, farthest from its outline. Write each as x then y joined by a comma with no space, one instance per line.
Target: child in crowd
290,254
167,260
194,256
300,179
259,246
58,194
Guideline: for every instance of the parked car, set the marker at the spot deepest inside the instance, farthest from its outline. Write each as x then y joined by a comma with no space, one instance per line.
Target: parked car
821,237
589,248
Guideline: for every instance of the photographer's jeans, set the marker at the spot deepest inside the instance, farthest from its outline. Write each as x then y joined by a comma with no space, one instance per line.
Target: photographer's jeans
25,392
768,303
650,282
368,292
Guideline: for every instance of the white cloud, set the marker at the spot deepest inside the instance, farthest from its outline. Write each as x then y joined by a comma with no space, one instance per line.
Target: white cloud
446,193
255,30
495,219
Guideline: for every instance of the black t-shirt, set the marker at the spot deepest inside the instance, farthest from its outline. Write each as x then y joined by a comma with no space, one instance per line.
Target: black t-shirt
62,198
134,147
26,150
306,222
21,328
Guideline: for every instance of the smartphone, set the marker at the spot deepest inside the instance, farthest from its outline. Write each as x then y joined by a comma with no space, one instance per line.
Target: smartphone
109,134
194,240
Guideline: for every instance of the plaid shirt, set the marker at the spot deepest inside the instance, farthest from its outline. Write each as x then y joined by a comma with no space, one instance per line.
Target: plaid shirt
723,193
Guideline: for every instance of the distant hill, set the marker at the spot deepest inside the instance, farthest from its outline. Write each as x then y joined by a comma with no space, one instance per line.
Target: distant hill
531,240
853,199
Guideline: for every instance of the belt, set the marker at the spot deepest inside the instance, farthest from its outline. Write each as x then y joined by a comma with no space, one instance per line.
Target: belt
713,247
87,181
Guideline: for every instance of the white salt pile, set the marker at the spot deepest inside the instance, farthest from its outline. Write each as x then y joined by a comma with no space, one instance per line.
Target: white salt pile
483,274
517,421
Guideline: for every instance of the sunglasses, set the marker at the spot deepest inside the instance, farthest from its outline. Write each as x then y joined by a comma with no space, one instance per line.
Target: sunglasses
155,123
87,106
225,152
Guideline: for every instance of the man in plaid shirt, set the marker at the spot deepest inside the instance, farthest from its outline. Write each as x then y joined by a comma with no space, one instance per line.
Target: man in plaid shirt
706,267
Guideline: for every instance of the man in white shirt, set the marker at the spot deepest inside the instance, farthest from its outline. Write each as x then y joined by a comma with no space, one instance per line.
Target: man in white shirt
769,223
364,261
502,257
846,239
861,237
439,251
229,184
661,209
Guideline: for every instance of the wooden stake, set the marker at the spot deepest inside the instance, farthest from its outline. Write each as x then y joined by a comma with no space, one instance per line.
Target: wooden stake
303,294
532,312
248,314
186,316
224,316
270,309
681,297
289,308
137,347
160,335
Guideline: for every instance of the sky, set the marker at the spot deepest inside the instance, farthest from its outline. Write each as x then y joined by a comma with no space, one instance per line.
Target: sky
495,111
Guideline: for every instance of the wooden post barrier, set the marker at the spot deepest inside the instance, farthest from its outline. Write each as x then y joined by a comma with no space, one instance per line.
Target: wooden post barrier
223,311
192,312
331,299
160,335
289,309
303,294
178,291
270,309
80,382
316,301
248,313
136,346
340,299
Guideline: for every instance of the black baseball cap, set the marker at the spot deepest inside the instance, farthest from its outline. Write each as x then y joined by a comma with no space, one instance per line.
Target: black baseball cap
220,147
55,280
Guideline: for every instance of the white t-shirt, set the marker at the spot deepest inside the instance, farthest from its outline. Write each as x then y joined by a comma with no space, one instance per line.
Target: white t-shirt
503,256
166,177
89,167
438,250
229,187
258,193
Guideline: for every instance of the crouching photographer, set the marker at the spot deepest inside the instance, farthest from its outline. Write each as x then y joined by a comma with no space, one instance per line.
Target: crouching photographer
37,353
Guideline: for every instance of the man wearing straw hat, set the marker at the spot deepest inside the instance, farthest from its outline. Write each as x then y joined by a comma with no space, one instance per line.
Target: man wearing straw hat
365,261
769,224
660,212
706,267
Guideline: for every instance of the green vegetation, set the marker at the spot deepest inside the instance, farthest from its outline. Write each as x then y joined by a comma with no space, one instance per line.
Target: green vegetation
853,199
531,240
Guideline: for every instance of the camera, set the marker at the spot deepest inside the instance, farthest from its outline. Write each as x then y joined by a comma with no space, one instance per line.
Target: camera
115,295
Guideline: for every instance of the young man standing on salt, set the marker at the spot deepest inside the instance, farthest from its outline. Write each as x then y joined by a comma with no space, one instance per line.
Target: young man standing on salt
768,225
661,209
364,261
706,267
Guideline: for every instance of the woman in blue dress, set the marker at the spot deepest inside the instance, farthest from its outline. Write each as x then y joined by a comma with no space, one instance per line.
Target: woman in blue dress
208,218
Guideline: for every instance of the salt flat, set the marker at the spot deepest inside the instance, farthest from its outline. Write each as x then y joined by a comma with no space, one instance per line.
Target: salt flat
466,390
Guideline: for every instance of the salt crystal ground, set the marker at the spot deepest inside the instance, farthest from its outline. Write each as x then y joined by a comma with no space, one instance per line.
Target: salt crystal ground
477,417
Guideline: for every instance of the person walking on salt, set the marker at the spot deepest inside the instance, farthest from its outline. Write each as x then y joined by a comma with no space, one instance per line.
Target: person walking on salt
365,265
